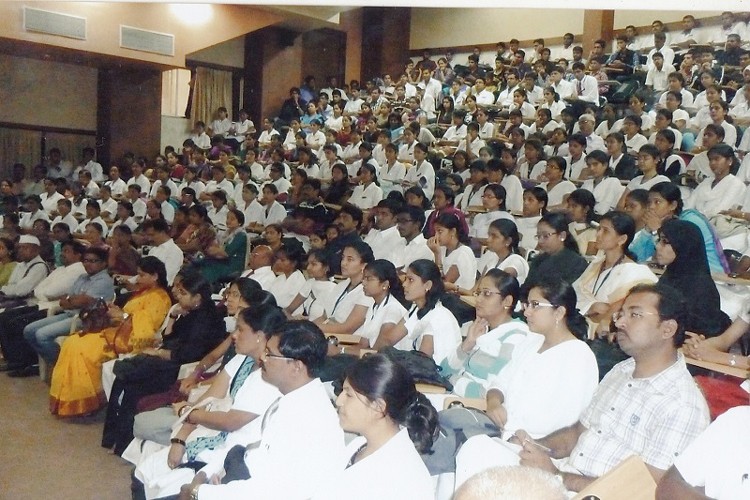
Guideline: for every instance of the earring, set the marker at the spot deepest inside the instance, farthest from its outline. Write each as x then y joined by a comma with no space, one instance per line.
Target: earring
257,341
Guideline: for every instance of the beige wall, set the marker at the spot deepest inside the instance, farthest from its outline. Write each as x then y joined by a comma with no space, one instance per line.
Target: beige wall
174,130
34,92
643,18
104,20
448,27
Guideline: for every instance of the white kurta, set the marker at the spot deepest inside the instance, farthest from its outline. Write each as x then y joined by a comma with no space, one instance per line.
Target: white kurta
607,193
710,200
464,260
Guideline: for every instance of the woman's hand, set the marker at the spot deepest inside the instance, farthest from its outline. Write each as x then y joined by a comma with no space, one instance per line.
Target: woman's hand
188,383
698,348
116,314
176,451
433,244
737,214
652,220
498,414
478,328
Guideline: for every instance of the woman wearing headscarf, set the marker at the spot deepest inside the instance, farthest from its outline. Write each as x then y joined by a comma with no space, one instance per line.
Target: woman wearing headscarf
681,249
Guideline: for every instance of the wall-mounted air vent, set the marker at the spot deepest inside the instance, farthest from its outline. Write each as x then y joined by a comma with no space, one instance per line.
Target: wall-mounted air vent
54,23
146,41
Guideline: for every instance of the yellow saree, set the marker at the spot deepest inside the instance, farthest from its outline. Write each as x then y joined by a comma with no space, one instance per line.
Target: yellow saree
76,386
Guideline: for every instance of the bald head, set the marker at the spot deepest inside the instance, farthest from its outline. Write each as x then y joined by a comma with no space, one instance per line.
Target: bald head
261,256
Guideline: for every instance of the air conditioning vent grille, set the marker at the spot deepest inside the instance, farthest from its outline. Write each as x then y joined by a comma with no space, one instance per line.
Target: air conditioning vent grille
54,23
146,41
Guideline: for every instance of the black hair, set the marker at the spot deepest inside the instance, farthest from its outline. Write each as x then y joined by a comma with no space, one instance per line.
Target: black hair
508,229
354,211
158,225
540,195
196,284
451,221
447,192
363,250
100,253
152,265
414,214
672,306
378,377
384,270
624,225
323,256
499,192
560,293
586,199
560,222
265,318
294,253
506,284
639,195
670,192
201,211
427,270
418,191
303,341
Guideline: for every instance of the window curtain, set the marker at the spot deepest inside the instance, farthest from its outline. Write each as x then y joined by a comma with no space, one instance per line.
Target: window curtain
19,146
212,89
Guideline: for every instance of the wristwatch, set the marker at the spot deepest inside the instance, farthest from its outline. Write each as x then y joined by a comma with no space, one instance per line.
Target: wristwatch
733,360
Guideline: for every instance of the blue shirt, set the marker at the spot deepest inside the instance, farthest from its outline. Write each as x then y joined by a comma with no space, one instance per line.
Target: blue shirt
100,285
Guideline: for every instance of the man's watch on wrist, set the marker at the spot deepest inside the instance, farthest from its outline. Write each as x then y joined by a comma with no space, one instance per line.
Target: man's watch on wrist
194,492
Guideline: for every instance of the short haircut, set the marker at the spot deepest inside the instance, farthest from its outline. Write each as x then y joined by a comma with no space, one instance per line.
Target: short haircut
99,252
303,341
158,225
415,213
672,306
354,211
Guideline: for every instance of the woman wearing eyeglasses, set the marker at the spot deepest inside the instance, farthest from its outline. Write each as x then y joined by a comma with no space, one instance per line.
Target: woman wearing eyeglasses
543,390
492,338
206,434
558,257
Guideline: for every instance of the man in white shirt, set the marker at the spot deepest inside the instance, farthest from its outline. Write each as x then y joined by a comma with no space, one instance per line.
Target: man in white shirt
163,179
139,178
353,105
431,86
585,87
139,206
715,465
259,265
410,221
385,239
91,187
219,182
661,47
239,130
163,247
563,87
50,196
97,172
117,185
301,442
32,211
505,98
656,78
586,124
57,167
64,216
484,96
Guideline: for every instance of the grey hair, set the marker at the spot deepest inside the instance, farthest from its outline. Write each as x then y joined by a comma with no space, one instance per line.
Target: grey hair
516,483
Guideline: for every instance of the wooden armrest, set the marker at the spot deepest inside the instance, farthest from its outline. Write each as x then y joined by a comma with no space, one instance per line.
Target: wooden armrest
631,480
478,403
719,368
430,389
345,338
476,209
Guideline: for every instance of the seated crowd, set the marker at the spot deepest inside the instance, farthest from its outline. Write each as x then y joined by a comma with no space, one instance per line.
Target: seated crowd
547,234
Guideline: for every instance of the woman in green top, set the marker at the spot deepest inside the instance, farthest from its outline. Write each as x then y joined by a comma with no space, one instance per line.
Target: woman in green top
225,261
6,260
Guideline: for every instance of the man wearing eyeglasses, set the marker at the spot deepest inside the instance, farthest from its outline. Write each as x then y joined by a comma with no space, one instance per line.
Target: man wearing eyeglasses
301,441
647,405
410,221
81,281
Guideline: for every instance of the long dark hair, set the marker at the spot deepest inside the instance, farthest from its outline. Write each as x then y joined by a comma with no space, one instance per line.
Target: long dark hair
560,222
384,270
506,284
623,225
377,377
196,284
451,221
508,229
560,293
152,265
499,192
265,318
427,270
585,198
